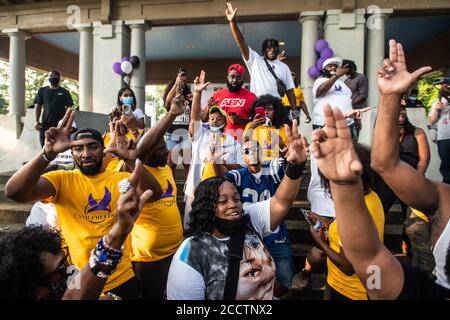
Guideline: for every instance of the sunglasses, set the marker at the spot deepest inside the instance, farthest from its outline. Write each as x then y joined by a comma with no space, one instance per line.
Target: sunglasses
251,149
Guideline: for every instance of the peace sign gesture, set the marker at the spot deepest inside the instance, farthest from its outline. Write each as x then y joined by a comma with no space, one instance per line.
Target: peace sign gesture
199,82
393,78
57,139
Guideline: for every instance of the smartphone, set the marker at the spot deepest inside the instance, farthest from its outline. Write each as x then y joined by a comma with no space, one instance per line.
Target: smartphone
127,110
261,112
307,218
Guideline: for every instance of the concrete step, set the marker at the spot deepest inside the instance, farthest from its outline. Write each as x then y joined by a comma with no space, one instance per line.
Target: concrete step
4,176
6,228
3,198
14,212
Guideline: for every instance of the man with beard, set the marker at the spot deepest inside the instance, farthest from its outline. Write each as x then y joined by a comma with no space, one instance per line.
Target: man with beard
235,101
262,80
85,198
330,89
158,231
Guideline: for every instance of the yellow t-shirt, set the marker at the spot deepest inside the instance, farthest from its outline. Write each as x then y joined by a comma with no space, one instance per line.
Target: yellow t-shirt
352,287
157,233
269,138
114,161
86,207
298,98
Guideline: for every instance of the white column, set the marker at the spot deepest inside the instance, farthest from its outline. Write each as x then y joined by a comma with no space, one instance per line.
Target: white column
310,34
111,44
374,60
17,39
85,76
137,48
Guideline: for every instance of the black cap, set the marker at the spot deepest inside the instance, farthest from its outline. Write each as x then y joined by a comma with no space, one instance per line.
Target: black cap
87,133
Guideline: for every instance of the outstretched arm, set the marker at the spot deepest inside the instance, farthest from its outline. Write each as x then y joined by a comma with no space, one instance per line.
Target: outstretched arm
128,208
26,184
199,86
290,185
238,37
393,80
338,161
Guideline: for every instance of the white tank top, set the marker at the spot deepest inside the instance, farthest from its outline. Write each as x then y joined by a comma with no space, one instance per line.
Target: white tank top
440,256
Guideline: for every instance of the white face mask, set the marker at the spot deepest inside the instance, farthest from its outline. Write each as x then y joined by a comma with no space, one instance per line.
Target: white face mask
268,123
216,129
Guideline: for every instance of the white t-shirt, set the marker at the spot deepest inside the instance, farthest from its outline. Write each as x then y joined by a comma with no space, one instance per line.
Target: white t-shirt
42,214
443,123
339,96
262,80
321,202
200,146
186,283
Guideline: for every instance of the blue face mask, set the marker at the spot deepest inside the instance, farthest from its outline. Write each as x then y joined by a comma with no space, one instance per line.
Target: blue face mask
412,98
128,101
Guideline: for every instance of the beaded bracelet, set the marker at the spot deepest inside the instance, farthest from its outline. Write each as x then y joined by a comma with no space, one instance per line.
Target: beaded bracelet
104,255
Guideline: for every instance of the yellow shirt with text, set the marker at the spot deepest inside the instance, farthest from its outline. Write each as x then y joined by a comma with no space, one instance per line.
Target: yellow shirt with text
86,208
270,139
351,286
158,232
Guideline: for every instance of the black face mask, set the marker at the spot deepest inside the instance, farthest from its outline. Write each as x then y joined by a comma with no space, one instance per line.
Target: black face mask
230,227
57,289
53,81
235,88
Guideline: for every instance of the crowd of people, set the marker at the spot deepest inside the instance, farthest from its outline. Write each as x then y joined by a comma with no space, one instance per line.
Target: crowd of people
105,204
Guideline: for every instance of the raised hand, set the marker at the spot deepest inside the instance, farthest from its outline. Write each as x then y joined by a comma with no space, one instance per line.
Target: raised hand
281,56
131,202
124,148
297,148
393,78
57,139
230,12
177,104
333,148
199,82
342,70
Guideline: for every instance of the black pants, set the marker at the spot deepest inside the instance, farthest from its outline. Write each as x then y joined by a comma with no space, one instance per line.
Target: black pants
444,154
129,290
353,130
152,277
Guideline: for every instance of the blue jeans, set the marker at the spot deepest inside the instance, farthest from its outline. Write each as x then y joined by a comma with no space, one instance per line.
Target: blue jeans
444,154
282,255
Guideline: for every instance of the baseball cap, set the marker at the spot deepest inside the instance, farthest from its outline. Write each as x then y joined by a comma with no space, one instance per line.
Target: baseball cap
86,133
240,69
216,108
334,60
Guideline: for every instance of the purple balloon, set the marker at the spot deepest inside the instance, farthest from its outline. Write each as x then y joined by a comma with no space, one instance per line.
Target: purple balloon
320,62
116,68
313,72
125,59
326,53
320,45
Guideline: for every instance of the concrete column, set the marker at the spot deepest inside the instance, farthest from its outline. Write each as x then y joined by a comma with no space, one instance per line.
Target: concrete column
345,34
85,67
111,43
375,55
17,39
137,48
310,34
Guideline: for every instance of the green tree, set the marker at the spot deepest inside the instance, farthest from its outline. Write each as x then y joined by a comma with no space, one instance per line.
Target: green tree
427,91
4,80
157,98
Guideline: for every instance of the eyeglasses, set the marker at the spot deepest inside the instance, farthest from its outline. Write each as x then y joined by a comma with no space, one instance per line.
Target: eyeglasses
235,76
251,149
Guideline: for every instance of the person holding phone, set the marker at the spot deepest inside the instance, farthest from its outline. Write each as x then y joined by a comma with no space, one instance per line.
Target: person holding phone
268,117
235,100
